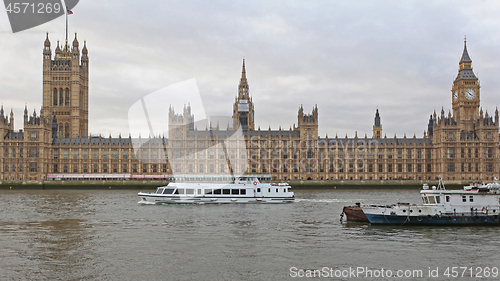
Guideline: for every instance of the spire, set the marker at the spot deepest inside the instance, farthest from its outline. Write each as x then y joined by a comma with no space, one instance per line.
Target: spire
75,42
84,50
377,119
243,87
243,72
465,55
47,41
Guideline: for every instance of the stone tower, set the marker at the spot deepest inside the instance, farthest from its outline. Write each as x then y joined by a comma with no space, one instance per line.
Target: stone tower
465,94
377,127
308,123
66,87
243,112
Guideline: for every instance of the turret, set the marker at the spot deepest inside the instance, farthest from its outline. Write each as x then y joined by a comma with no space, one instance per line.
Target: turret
58,50
85,57
25,115
377,126
75,51
46,49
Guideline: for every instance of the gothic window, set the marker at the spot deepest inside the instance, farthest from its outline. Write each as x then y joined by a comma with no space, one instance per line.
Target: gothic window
55,96
61,96
489,153
66,130
309,154
450,153
67,97
451,167
450,136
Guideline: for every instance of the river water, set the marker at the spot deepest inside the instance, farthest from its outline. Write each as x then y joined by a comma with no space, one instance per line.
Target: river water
107,235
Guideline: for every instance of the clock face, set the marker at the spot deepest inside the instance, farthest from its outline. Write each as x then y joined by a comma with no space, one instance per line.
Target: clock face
455,96
470,94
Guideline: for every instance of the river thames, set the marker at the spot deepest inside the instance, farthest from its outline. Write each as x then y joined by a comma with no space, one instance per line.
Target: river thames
107,235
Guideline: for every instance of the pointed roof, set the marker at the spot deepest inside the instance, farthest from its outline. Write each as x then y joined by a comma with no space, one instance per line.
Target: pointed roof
465,55
243,72
243,80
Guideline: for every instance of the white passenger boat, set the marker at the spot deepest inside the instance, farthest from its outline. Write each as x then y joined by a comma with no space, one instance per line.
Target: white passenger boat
242,190
474,204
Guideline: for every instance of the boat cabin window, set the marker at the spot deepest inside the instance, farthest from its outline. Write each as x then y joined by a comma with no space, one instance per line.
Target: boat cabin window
217,191
226,191
199,191
168,191
258,189
447,198
208,191
243,191
179,191
269,190
189,191
235,191
431,200
438,199
159,191
464,198
471,198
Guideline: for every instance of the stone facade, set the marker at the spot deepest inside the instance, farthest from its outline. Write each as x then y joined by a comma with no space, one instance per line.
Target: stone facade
462,145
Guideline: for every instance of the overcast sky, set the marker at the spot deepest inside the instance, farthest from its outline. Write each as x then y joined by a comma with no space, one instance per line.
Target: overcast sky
348,57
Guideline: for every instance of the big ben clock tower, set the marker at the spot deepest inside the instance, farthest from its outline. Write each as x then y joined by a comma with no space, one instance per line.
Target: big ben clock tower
465,93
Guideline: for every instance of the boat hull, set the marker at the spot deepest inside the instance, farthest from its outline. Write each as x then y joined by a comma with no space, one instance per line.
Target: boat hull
159,199
433,220
355,214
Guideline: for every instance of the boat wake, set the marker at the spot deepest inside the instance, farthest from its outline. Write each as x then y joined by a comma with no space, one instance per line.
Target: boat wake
321,200
146,202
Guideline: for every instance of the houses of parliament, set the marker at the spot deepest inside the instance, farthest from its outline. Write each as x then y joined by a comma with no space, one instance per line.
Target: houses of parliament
462,145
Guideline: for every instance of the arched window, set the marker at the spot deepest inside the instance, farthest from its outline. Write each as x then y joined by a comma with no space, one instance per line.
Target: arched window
67,97
66,130
55,96
61,96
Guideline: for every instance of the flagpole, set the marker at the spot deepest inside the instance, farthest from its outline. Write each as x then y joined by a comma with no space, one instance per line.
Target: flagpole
66,26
